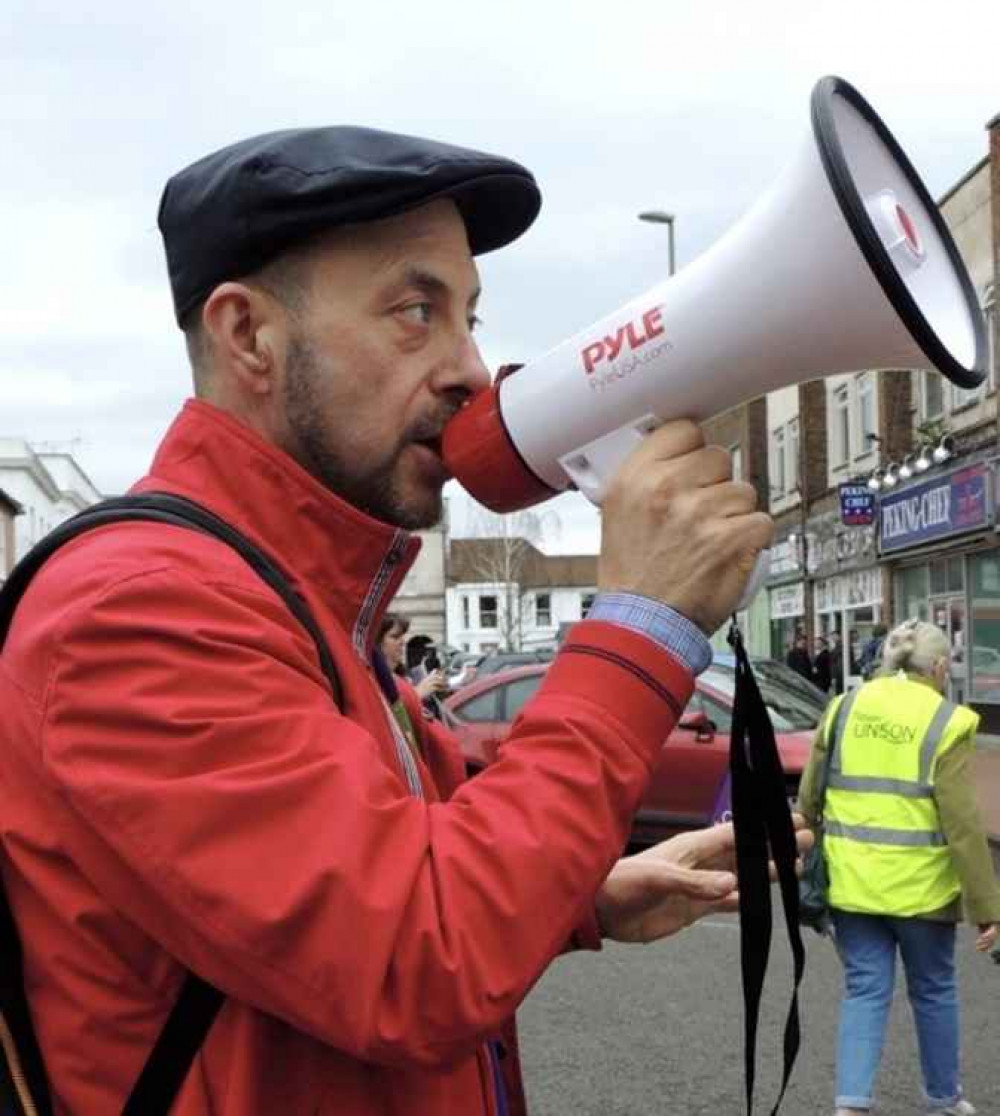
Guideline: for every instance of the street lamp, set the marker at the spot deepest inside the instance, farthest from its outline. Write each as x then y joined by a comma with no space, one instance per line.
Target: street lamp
661,217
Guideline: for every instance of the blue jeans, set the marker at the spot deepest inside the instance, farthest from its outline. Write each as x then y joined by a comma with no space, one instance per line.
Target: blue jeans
867,946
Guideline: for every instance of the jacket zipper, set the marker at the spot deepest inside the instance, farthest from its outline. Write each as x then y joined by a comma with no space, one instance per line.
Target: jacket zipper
376,590
361,629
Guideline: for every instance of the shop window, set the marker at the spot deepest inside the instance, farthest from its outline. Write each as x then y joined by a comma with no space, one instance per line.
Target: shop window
956,575
911,593
984,576
939,576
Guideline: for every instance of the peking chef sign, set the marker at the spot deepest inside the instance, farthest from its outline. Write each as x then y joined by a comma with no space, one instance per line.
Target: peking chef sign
952,504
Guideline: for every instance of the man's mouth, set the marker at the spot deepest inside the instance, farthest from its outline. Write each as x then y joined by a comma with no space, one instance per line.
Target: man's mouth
433,446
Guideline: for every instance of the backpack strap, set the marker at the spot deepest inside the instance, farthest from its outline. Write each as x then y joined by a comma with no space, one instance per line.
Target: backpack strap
198,1003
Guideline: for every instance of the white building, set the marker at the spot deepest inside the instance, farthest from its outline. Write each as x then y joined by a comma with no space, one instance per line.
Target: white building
49,487
506,594
421,597
9,510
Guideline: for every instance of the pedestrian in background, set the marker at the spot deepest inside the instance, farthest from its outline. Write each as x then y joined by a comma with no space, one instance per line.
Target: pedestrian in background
904,847
798,657
871,653
392,643
821,665
836,663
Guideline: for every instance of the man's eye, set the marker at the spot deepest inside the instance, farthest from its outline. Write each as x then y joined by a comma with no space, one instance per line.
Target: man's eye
418,312
475,321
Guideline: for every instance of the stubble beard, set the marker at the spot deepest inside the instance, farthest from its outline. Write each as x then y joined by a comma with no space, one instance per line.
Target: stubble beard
376,491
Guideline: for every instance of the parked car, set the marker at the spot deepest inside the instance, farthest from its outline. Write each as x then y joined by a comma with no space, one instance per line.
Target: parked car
462,668
774,669
695,755
496,661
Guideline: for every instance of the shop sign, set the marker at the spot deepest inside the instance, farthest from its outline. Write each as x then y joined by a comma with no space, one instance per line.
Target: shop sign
787,601
784,558
858,589
948,505
857,505
835,548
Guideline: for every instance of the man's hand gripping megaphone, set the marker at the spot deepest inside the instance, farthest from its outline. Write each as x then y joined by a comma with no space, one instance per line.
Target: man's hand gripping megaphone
676,527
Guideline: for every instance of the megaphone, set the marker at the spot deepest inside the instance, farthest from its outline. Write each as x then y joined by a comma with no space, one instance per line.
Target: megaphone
844,264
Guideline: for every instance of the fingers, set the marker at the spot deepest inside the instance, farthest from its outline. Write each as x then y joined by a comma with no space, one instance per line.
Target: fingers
672,439
676,528
702,468
713,847
986,938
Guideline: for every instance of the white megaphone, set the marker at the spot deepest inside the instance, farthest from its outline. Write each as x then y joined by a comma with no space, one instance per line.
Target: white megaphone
844,264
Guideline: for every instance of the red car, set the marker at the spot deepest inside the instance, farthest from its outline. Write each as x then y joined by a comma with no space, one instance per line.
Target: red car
695,755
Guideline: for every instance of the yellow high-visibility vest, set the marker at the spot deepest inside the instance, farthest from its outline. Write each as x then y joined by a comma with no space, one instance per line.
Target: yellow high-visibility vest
883,843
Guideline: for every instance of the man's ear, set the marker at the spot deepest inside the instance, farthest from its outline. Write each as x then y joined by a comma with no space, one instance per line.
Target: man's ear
244,326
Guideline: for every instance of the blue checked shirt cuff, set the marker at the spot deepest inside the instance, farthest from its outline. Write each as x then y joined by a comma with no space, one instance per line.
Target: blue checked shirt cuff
662,624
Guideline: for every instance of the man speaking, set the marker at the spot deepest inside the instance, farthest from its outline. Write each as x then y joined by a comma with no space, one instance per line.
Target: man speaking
181,793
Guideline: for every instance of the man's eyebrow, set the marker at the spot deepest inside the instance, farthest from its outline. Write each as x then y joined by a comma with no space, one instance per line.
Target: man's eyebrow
432,284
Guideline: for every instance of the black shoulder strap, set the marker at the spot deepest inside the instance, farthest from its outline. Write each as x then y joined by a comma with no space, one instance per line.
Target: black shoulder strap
198,1003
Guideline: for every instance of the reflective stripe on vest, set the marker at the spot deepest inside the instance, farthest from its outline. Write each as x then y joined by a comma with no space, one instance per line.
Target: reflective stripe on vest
884,845
879,835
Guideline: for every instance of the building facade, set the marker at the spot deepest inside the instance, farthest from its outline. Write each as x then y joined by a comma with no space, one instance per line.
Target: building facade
9,510
49,487
505,594
421,597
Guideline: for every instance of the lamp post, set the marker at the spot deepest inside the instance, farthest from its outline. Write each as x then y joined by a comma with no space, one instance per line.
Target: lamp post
661,217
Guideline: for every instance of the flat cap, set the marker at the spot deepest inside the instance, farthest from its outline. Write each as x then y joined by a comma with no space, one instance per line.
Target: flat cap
233,211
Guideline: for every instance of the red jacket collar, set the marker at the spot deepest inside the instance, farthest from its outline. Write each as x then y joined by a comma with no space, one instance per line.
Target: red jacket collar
349,560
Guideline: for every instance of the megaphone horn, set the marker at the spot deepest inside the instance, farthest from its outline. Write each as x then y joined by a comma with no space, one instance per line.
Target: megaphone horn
844,264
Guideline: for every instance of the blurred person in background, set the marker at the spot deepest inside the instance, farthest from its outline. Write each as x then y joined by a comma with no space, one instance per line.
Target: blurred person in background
821,665
836,662
871,653
798,657
905,849
392,643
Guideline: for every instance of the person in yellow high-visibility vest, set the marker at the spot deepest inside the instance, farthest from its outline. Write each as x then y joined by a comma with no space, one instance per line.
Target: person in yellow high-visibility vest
905,849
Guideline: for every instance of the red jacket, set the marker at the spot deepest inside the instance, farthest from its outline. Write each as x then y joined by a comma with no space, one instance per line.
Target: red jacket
177,790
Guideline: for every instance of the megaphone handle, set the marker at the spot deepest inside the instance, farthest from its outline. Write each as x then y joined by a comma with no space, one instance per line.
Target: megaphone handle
591,466
760,571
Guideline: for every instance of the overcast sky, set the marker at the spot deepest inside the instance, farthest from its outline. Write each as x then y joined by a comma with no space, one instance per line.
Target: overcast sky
691,107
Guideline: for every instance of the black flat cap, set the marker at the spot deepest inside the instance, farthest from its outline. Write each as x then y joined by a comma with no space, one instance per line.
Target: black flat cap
233,211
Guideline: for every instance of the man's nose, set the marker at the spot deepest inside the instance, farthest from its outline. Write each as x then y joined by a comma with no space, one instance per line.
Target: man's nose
465,371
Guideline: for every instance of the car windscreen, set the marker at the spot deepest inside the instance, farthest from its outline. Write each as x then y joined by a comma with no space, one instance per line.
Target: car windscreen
791,709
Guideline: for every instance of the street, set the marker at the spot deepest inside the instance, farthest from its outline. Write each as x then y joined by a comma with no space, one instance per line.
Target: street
659,1029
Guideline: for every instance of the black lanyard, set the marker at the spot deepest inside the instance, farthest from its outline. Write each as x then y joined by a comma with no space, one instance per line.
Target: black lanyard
764,830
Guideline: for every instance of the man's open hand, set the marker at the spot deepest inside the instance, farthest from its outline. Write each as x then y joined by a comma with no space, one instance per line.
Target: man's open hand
669,886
